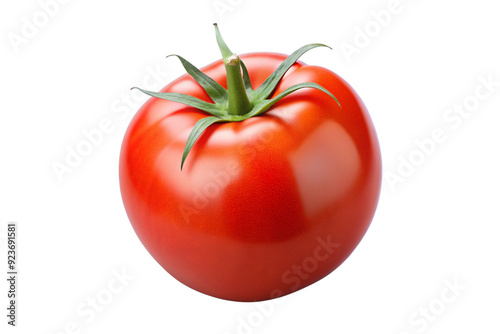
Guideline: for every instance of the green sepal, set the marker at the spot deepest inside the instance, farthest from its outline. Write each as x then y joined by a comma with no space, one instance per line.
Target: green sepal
198,129
226,53
211,108
246,78
263,106
216,92
272,81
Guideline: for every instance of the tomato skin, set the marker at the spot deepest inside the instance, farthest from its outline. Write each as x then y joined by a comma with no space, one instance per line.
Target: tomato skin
263,207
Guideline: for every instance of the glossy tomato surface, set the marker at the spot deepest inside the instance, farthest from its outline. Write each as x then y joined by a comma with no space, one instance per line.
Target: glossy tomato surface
263,207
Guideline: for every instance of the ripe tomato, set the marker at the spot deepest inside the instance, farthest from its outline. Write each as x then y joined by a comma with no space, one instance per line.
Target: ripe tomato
262,207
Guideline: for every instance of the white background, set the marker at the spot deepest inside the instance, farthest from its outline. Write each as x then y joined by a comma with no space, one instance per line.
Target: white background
438,226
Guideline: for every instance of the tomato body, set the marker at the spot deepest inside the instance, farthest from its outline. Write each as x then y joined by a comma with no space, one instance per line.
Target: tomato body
263,207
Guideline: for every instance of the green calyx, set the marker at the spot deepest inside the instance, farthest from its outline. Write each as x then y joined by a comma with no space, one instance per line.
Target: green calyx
239,101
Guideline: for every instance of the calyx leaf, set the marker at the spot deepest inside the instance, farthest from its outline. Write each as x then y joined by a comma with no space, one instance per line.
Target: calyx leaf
211,108
217,93
272,81
198,128
266,104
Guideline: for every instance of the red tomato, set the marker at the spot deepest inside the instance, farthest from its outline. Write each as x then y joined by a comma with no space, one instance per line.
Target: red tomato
262,207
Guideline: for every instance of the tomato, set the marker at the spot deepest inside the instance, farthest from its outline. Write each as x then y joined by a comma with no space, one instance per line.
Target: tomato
262,207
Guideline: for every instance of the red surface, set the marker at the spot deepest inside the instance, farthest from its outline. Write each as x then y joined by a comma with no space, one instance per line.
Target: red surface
250,215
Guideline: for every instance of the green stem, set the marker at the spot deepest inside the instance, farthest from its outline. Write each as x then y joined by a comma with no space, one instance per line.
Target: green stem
238,102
